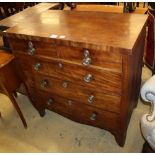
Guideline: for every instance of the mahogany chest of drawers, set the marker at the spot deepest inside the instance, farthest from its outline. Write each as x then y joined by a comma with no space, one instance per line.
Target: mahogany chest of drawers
85,66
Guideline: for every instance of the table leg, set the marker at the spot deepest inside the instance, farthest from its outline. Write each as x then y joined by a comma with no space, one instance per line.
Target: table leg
17,109
15,94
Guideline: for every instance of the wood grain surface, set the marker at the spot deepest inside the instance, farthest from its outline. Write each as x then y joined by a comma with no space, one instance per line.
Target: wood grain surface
26,15
116,44
96,30
106,8
77,111
105,59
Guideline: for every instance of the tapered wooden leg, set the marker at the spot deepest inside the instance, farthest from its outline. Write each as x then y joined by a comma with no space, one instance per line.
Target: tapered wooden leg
17,109
42,112
147,148
15,94
120,138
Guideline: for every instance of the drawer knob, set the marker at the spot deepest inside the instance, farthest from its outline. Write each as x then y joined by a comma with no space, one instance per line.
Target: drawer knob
50,101
60,65
86,60
65,84
44,83
31,49
93,116
30,44
37,66
90,98
88,78
70,102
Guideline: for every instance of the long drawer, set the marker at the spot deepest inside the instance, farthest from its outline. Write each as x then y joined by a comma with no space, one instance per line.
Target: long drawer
78,93
107,59
77,111
90,77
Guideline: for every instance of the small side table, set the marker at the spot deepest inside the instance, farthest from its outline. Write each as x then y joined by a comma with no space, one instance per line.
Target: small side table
10,80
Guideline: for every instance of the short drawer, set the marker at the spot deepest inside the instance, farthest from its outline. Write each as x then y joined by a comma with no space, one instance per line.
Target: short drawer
107,59
90,77
78,93
33,47
77,111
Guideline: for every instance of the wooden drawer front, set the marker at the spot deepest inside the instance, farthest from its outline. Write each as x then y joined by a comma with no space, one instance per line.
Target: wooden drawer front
77,111
101,79
40,48
105,59
78,93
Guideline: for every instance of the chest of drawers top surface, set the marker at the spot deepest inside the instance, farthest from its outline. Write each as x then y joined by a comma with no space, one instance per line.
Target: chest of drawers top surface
103,31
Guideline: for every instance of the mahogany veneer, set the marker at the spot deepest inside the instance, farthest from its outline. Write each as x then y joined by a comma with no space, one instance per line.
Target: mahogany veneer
83,65
105,8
